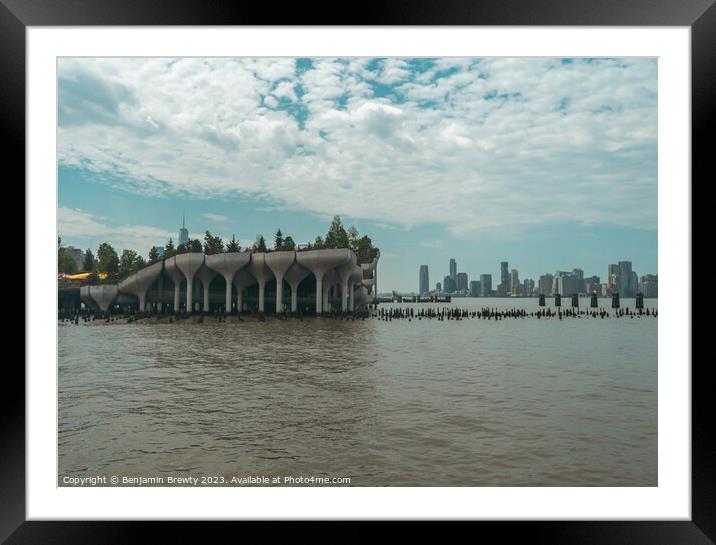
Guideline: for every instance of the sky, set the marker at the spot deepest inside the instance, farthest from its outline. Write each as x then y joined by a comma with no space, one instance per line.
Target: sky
547,163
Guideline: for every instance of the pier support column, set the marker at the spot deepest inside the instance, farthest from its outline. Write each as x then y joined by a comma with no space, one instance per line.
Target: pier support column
177,294
206,297
228,278
319,293
190,295
279,292
294,299
142,302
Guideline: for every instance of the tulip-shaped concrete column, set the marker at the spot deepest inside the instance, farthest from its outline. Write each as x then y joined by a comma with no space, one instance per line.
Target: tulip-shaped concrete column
138,283
257,267
279,263
170,267
227,265
356,277
344,274
190,264
205,276
320,261
330,279
242,280
294,277
103,295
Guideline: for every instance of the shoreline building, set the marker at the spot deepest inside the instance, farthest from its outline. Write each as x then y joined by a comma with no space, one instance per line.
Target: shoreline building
462,284
303,281
183,231
486,285
453,270
424,280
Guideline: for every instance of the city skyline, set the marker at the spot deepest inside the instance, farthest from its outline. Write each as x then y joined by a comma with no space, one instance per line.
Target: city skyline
472,159
621,278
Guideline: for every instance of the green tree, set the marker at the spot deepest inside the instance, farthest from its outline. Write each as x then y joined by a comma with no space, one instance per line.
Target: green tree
169,249
278,240
364,244
353,237
260,244
212,244
318,243
65,262
129,262
337,237
88,263
194,246
289,244
233,246
107,259
153,254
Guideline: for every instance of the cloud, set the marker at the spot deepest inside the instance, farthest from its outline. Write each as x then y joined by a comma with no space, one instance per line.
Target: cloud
214,217
470,144
85,229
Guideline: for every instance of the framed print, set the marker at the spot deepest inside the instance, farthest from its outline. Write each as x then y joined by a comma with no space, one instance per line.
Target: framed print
405,267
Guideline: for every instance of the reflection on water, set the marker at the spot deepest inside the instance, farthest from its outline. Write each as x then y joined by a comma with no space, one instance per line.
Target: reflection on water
422,403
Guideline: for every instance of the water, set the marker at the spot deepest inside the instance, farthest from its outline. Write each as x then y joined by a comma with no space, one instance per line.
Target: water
517,402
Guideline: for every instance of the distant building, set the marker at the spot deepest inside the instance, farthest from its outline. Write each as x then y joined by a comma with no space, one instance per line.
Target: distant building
545,284
438,287
504,275
528,286
514,282
592,284
159,250
649,285
625,280
424,280
462,281
475,288
449,285
485,285
183,232
453,269
77,255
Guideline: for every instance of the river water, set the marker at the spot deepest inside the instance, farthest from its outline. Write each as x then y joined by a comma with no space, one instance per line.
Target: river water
515,402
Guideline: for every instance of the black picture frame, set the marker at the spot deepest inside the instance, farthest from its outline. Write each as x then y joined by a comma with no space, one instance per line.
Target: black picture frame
16,15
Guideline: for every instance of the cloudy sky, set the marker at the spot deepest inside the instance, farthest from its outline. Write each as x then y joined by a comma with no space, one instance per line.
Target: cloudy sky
550,164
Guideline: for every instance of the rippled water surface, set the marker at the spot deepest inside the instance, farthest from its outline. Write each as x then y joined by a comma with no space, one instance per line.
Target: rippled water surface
421,403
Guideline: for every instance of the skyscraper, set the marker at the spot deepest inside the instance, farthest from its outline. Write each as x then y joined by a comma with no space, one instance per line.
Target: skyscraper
474,288
453,269
545,284
625,279
183,232
424,280
462,281
485,285
514,282
504,274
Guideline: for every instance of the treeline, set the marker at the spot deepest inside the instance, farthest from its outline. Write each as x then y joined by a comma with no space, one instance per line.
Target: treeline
106,259
336,237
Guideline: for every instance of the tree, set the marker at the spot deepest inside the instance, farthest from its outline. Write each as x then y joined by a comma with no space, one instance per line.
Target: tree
129,263
233,246
88,263
289,244
364,244
352,237
169,249
336,236
278,240
212,244
194,246
65,262
318,243
260,244
153,254
107,259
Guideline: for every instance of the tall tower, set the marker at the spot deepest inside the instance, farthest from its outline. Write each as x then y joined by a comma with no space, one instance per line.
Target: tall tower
453,269
183,232
504,275
424,280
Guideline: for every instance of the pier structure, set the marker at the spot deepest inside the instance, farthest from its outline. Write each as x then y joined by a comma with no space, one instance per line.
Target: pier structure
306,281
